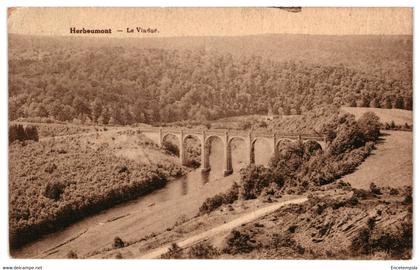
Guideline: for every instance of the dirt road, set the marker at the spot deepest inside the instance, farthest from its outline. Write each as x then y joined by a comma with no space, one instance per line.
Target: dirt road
224,227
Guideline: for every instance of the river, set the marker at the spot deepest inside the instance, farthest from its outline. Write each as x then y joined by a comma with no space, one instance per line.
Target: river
179,200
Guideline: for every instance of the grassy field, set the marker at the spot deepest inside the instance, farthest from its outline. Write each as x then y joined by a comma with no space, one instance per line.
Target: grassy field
391,164
400,117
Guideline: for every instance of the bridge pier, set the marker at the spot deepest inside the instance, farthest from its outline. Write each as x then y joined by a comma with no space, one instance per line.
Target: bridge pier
204,155
160,137
274,146
228,157
181,148
250,150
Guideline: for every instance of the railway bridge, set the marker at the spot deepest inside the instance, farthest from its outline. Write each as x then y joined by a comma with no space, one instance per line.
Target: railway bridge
226,136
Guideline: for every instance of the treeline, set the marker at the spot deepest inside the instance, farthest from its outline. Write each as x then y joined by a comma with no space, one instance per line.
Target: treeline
20,133
125,85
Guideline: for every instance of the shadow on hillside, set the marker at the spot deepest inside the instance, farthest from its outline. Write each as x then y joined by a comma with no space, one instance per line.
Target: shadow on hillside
382,138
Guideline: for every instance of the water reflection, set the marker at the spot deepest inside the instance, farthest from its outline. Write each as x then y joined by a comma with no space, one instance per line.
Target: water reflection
205,177
184,185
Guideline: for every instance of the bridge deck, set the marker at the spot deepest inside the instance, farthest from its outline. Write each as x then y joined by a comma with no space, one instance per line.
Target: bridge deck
233,132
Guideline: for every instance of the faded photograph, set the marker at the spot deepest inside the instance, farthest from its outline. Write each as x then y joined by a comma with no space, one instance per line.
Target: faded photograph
210,133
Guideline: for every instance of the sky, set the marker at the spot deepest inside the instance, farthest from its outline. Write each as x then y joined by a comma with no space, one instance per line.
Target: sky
212,21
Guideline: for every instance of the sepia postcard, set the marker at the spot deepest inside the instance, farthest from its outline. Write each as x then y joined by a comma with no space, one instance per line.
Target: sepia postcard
281,133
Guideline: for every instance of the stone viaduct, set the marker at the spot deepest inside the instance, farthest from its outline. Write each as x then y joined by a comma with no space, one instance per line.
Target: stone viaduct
226,136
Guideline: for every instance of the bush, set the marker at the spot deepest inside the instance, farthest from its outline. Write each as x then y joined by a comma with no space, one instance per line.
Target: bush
285,240
360,244
203,250
54,189
19,133
239,242
254,179
72,255
370,126
174,252
394,243
50,168
374,189
171,148
348,138
212,203
31,133
118,243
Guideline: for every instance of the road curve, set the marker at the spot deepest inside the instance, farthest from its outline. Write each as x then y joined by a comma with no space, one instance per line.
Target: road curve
224,227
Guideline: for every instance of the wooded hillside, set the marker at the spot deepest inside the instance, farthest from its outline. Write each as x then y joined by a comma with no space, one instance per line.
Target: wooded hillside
123,81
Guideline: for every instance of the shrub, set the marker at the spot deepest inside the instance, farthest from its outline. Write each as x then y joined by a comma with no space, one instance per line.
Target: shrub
203,250
50,168
72,255
54,189
394,243
118,243
123,169
282,240
171,148
348,138
19,133
212,203
239,242
254,179
374,189
371,223
370,126
360,244
408,199
174,252
31,133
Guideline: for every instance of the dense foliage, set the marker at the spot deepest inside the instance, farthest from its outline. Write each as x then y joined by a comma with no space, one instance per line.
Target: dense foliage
127,82
56,182
20,133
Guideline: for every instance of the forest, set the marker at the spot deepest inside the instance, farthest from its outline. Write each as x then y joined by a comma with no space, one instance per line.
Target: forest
54,183
120,82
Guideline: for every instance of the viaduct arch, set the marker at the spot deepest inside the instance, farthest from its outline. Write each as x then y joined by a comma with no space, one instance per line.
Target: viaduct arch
227,136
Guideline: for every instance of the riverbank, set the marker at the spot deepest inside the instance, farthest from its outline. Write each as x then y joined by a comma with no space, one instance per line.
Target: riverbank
131,221
55,182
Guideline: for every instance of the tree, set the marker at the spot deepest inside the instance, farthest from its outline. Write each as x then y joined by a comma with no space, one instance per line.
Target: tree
105,116
375,103
399,103
42,111
387,103
31,133
408,102
370,126
96,109
81,106
16,133
353,103
112,121
253,179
